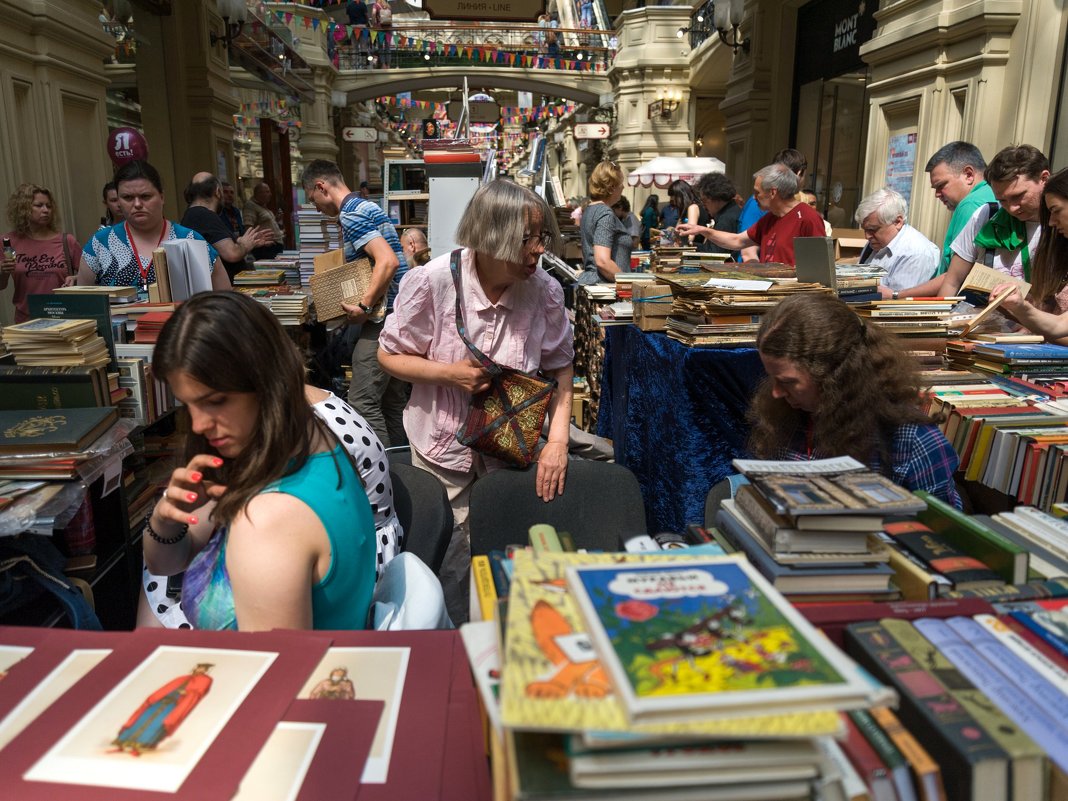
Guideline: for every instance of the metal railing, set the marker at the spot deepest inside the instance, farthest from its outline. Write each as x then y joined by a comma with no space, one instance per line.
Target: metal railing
466,44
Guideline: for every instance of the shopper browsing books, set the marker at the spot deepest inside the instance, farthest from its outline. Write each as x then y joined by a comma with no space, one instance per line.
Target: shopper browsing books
606,243
122,254
268,517
1042,311
838,386
514,313
40,258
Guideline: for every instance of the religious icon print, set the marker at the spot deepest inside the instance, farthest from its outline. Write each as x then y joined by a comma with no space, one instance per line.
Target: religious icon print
163,711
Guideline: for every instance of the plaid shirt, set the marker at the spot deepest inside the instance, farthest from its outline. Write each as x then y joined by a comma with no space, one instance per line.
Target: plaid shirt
921,459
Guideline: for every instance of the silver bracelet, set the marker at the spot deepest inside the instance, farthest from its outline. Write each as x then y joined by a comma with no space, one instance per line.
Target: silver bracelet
165,540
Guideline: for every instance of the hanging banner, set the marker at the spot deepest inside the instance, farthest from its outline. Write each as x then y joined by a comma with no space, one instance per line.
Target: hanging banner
486,10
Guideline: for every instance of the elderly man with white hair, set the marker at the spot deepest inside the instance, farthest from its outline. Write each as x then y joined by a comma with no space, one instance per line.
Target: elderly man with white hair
908,257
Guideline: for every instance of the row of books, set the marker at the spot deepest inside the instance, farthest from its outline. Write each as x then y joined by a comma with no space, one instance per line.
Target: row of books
316,235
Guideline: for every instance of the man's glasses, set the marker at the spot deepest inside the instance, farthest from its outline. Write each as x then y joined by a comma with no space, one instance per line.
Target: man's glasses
545,238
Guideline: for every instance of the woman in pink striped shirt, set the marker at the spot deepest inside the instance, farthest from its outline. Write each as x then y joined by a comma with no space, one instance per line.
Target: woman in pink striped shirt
513,312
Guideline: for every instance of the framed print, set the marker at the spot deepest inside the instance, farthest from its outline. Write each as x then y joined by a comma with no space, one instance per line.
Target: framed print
173,714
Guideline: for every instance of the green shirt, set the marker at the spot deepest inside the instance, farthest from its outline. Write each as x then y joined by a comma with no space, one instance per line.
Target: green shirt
981,193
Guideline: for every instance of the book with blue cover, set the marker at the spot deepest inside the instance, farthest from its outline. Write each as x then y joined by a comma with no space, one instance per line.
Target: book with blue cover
1032,350
707,638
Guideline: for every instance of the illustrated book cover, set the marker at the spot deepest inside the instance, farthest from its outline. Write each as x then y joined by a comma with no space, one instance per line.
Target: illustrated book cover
709,638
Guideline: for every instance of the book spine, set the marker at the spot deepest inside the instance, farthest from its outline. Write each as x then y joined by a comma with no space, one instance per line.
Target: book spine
543,539
878,739
764,522
925,768
937,718
915,583
1008,593
1038,661
1012,701
1011,666
1006,559
866,760
852,785
1059,645
939,555
482,581
501,581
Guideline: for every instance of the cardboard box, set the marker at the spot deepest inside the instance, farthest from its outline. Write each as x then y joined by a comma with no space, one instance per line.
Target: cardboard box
848,243
652,306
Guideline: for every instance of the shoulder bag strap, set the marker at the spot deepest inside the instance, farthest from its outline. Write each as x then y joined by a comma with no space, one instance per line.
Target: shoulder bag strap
461,329
66,254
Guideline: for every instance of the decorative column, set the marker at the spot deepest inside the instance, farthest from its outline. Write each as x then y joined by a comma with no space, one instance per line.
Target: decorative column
650,78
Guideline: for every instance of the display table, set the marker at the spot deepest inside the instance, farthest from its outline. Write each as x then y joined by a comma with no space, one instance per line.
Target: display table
676,416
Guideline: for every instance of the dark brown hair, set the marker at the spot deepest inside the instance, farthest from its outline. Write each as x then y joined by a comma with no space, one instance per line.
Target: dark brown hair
1013,161
231,343
1050,271
867,385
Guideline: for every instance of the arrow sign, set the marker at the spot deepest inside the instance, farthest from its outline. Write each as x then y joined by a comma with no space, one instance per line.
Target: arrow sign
592,130
359,134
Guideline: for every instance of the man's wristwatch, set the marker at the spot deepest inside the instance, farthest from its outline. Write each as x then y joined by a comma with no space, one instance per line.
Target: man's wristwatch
893,295
364,308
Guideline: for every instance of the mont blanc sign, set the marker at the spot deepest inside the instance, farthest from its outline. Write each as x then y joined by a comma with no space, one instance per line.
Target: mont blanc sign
486,10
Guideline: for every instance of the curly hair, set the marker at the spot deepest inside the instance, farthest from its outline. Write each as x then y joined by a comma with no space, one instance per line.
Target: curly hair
1050,272
867,384
20,203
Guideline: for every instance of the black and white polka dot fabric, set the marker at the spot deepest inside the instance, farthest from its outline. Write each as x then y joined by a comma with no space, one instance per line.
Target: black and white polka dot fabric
359,439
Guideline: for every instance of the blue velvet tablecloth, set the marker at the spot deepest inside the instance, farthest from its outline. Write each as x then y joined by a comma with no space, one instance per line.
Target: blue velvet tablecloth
676,416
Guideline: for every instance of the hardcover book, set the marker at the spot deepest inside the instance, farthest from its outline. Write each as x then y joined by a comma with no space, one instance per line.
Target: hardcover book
966,572
672,637
924,769
53,429
782,537
868,764
897,766
77,307
51,387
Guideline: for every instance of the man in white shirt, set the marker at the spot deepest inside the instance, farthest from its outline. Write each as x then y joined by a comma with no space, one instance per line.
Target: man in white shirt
908,257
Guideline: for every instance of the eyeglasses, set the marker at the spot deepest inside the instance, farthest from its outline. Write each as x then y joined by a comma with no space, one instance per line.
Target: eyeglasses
545,238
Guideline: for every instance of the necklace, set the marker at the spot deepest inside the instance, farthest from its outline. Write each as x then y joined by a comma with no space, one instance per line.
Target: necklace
137,256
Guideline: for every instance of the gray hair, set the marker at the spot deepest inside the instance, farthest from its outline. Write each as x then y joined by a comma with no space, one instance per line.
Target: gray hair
499,215
779,177
885,203
416,235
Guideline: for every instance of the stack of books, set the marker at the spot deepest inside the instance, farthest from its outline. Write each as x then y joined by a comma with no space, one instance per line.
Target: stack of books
668,259
812,528
148,397
724,310
149,326
291,308
910,317
317,234
48,342
50,444
117,295
659,676
260,276
288,261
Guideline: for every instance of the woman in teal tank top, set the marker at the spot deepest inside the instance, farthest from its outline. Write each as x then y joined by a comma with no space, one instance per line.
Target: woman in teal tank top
268,517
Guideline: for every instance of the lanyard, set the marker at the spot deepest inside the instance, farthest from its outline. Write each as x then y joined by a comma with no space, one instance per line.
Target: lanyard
137,256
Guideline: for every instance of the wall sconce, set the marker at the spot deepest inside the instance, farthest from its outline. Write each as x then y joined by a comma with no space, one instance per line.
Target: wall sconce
234,13
727,16
666,104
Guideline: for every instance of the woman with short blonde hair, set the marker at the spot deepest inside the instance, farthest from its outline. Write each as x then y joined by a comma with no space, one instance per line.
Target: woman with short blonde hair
606,242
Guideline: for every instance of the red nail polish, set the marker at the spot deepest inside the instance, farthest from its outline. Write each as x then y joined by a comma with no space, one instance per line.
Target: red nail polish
217,461
192,520
192,496
195,476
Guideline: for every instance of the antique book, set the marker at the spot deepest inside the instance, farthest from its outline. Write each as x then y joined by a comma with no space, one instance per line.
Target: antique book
978,765
665,633
1028,770
782,537
925,771
51,387
343,284
77,307
964,571
868,764
53,430
897,766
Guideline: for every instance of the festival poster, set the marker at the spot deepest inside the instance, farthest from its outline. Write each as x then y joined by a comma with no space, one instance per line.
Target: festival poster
317,752
901,163
169,714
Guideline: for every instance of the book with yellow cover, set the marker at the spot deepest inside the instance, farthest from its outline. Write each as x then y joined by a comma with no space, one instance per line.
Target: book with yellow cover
483,591
552,680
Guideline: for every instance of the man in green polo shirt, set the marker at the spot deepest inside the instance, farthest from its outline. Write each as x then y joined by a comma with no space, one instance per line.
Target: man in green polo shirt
956,173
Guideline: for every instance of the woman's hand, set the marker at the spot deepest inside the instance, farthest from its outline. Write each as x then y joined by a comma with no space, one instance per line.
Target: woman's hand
468,376
1015,302
187,492
7,265
70,280
552,470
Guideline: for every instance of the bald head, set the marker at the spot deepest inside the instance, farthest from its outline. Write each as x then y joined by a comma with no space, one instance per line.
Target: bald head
413,241
204,190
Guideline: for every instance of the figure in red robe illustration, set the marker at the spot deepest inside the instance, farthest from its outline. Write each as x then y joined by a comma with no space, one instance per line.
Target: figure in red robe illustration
163,711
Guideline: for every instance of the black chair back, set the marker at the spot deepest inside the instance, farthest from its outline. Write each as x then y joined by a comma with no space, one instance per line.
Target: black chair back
601,507
424,511
720,492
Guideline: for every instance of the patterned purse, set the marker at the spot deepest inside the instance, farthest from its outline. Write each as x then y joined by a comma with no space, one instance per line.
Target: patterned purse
505,420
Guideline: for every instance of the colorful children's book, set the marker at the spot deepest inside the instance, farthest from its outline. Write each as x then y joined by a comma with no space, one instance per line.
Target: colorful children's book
709,638
554,681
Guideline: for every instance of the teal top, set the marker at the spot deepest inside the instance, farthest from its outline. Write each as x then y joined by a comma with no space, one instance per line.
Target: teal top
980,195
342,598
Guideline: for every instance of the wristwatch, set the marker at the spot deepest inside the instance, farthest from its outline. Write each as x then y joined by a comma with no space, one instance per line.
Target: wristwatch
365,309
893,295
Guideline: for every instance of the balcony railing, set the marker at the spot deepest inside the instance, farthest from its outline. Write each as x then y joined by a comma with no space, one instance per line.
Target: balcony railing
466,44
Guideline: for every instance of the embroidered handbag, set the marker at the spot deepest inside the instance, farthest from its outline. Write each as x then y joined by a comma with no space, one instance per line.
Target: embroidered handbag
505,420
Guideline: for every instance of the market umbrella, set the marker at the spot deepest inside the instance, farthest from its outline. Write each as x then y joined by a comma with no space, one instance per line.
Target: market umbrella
663,170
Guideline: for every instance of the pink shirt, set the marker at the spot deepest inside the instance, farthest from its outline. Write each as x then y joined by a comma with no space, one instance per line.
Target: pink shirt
40,267
526,329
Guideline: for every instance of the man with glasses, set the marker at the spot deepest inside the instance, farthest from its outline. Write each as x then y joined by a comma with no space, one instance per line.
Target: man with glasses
368,233
907,256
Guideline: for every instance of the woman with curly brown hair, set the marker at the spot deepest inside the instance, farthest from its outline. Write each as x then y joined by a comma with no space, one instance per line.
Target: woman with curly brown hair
44,258
838,386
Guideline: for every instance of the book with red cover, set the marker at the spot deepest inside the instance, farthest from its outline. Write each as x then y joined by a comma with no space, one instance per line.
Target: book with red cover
871,768
1034,640
832,618
208,750
465,773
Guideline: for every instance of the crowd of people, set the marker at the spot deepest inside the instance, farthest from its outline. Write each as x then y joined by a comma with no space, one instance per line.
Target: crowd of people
284,478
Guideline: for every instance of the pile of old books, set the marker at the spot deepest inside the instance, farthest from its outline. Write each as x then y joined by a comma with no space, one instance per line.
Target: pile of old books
317,234
260,276
662,676
288,261
291,308
50,443
47,342
811,527
724,310
910,317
